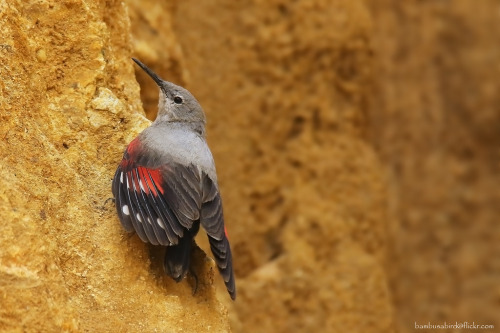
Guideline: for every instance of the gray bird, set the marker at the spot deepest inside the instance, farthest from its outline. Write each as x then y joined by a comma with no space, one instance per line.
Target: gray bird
166,185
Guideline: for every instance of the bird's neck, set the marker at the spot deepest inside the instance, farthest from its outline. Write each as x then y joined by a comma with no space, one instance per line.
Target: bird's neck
197,126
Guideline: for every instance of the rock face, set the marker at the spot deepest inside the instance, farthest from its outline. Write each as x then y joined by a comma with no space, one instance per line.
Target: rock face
69,105
357,152
297,94
285,86
435,122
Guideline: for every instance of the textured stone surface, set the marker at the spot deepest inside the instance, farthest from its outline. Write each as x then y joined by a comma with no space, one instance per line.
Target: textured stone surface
329,234
436,123
284,86
69,104
297,93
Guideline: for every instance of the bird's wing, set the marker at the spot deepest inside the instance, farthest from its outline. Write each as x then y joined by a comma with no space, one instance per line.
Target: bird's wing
162,203
142,205
142,191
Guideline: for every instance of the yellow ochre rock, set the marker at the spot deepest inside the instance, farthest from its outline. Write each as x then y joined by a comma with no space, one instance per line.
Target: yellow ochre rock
285,87
69,103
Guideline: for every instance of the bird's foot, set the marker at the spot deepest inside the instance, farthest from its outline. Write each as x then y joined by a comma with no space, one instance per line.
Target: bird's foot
108,199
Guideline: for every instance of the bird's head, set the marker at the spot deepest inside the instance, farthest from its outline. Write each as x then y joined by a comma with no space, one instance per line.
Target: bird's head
176,104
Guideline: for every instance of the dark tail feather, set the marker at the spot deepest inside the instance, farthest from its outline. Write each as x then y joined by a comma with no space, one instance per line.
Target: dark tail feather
222,254
177,258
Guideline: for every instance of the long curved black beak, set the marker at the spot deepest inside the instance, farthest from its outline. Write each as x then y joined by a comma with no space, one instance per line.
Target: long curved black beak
153,75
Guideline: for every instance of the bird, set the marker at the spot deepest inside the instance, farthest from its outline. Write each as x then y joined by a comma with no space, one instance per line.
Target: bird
166,184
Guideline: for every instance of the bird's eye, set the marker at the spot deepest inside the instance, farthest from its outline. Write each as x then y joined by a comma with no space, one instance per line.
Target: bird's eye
178,100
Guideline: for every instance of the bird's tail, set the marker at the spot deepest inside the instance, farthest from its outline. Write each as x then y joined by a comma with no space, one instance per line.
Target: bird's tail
222,254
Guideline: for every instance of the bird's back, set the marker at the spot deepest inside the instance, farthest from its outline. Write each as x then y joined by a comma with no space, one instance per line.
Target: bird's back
177,142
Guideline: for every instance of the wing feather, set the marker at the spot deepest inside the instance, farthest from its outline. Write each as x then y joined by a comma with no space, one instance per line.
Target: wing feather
139,229
121,201
149,211
181,193
138,214
168,203
169,217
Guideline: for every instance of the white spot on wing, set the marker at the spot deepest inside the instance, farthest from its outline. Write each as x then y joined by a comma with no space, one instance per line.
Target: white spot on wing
125,210
149,221
142,187
160,223
121,177
139,217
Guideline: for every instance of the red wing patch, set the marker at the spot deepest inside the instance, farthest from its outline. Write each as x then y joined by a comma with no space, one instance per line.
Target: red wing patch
130,155
152,179
133,148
